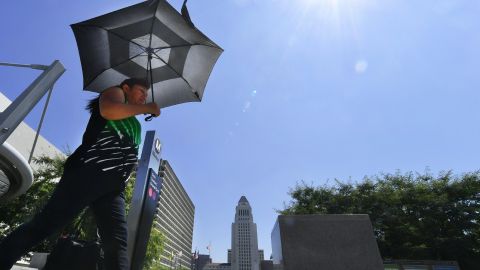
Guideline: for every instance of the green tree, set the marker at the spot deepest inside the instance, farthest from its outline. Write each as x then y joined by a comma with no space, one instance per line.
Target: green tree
414,216
22,208
155,249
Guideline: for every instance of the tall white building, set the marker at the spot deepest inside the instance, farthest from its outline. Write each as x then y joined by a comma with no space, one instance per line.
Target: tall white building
175,220
244,254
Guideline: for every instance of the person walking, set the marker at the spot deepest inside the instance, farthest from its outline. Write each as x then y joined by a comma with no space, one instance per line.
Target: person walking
94,176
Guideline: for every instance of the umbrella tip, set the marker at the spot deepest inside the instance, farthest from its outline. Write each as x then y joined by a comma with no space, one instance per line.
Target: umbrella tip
186,14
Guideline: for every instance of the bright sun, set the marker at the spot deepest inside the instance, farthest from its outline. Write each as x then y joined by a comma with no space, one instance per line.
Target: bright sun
330,12
319,2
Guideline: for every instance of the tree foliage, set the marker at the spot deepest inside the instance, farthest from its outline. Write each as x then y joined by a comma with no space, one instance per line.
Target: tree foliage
155,249
24,207
414,216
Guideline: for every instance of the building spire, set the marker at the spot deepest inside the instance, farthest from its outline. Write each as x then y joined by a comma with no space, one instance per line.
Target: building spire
243,199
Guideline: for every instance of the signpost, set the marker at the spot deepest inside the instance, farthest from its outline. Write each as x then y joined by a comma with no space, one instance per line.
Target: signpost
144,200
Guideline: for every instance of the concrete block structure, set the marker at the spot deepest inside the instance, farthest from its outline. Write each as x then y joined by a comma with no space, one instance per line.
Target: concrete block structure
325,242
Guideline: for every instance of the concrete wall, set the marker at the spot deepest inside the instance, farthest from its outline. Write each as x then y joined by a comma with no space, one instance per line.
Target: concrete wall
326,242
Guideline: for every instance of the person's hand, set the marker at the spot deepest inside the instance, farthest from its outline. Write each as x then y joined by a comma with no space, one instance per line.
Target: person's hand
152,108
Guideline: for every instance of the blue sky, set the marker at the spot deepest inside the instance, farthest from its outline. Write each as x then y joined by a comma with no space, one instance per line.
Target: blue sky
311,90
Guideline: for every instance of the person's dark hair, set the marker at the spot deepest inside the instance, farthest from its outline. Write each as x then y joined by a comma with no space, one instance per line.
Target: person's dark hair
93,103
135,81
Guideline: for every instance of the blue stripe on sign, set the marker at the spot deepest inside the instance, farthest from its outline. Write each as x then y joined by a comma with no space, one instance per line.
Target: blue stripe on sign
444,267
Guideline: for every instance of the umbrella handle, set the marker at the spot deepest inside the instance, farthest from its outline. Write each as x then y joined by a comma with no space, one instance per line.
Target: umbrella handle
149,118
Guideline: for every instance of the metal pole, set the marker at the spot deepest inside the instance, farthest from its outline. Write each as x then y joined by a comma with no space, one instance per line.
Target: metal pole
40,67
40,125
23,104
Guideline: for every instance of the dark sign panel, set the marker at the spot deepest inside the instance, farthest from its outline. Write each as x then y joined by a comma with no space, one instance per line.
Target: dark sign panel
149,205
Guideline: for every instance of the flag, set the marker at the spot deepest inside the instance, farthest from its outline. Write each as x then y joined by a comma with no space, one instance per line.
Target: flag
195,254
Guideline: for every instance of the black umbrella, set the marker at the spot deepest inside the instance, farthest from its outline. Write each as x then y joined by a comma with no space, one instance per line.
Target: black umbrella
147,40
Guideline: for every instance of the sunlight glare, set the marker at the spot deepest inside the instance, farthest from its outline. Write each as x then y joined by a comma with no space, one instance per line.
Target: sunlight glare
329,17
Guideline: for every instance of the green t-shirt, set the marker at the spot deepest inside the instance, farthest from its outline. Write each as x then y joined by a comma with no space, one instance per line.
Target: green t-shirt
128,127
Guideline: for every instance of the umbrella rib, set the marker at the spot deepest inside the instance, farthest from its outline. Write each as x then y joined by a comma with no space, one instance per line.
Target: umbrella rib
178,74
113,67
186,45
117,35
151,26
149,65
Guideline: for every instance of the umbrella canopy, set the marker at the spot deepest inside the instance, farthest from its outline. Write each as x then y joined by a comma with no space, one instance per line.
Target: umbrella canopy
147,40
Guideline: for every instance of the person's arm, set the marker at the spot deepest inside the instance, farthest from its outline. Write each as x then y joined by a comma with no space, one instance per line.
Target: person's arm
113,107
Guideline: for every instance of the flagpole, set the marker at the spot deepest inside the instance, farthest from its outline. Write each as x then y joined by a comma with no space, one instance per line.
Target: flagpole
195,259
209,247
